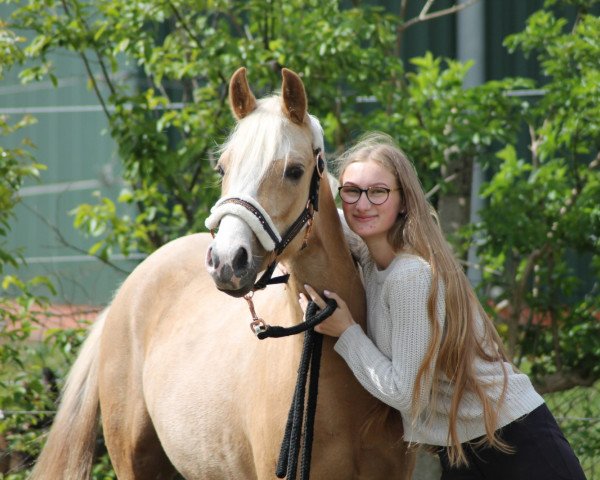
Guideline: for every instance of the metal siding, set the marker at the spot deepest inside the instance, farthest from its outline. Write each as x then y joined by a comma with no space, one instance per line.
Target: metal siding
74,147
503,18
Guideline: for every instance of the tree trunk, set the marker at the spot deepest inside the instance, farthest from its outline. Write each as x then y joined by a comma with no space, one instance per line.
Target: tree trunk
454,205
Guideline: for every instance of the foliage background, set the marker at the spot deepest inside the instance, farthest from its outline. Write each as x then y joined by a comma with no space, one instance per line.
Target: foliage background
540,155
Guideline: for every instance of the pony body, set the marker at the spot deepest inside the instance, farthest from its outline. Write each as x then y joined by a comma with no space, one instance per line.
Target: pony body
181,383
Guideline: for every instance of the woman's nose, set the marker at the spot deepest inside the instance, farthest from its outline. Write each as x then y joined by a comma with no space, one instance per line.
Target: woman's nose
363,202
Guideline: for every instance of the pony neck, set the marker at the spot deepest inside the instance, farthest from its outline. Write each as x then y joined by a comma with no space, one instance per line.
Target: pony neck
326,262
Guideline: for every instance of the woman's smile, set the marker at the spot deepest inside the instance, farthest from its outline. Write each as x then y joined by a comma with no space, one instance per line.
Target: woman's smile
364,218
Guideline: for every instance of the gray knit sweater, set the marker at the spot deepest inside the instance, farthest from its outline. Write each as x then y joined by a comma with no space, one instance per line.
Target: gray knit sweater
387,357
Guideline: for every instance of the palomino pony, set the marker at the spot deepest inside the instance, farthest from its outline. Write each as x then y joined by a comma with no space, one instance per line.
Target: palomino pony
180,381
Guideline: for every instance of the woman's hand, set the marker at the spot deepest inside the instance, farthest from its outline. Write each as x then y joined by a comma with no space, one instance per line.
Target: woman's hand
338,322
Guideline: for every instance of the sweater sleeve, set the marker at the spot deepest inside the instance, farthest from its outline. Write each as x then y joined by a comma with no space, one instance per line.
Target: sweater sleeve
404,305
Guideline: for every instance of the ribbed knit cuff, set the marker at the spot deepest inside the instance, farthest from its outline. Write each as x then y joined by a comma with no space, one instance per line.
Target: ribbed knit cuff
347,340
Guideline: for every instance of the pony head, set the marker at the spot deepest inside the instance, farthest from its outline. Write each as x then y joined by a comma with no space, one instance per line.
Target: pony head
266,165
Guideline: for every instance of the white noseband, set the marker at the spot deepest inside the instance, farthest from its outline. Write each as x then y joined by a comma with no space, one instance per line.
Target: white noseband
266,232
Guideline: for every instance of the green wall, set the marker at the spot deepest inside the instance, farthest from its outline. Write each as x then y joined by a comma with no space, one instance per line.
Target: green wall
72,140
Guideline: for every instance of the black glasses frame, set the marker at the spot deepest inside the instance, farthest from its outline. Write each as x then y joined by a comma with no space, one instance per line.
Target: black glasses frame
366,192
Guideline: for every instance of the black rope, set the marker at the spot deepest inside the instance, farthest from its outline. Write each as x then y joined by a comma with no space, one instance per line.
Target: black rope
311,404
313,317
290,446
310,362
266,280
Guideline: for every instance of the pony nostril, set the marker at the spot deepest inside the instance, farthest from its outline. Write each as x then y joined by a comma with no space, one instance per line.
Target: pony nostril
240,262
212,259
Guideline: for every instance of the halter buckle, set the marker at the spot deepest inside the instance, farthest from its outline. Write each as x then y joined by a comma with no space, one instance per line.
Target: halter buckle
258,326
309,224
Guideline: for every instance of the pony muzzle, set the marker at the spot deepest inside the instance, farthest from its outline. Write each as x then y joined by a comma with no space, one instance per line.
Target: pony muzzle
232,272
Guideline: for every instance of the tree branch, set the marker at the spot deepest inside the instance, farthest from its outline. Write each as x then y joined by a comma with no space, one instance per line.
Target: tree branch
425,16
402,16
88,69
66,243
559,381
426,8
554,319
184,25
448,179
96,51
95,85
533,147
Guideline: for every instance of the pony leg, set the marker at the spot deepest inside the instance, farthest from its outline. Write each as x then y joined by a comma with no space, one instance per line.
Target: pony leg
135,450
131,440
69,450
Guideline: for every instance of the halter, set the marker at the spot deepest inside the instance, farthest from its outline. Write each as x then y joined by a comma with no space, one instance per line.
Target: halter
249,210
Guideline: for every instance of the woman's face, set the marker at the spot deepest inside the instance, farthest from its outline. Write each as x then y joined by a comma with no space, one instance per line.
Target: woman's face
369,221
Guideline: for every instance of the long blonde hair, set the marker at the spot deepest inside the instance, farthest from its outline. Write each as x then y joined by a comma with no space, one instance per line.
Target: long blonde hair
457,346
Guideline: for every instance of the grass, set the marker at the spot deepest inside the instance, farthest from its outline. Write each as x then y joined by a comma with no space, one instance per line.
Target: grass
578,413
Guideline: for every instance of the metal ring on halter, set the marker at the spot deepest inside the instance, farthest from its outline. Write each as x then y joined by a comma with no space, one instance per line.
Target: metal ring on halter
320,166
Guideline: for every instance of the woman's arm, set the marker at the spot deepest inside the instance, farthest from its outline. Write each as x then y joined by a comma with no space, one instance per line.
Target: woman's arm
391,378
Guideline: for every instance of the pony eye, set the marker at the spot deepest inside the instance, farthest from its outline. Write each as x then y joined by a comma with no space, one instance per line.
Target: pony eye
294,172
220,170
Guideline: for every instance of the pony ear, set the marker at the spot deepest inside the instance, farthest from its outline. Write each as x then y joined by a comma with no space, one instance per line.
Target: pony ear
294,96
241,98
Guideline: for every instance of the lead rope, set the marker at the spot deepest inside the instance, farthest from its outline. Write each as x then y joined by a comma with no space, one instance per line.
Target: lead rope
310,362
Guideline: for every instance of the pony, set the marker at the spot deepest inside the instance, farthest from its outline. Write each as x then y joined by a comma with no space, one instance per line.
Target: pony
180,382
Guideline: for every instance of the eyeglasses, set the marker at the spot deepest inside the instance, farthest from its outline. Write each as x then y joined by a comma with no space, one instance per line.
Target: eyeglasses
375,195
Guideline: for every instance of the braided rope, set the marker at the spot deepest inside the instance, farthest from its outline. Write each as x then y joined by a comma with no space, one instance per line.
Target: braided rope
310,362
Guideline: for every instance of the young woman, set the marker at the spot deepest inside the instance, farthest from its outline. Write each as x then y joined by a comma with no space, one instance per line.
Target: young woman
430,351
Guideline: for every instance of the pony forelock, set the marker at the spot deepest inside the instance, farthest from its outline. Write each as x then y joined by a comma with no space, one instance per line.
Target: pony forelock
259,139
